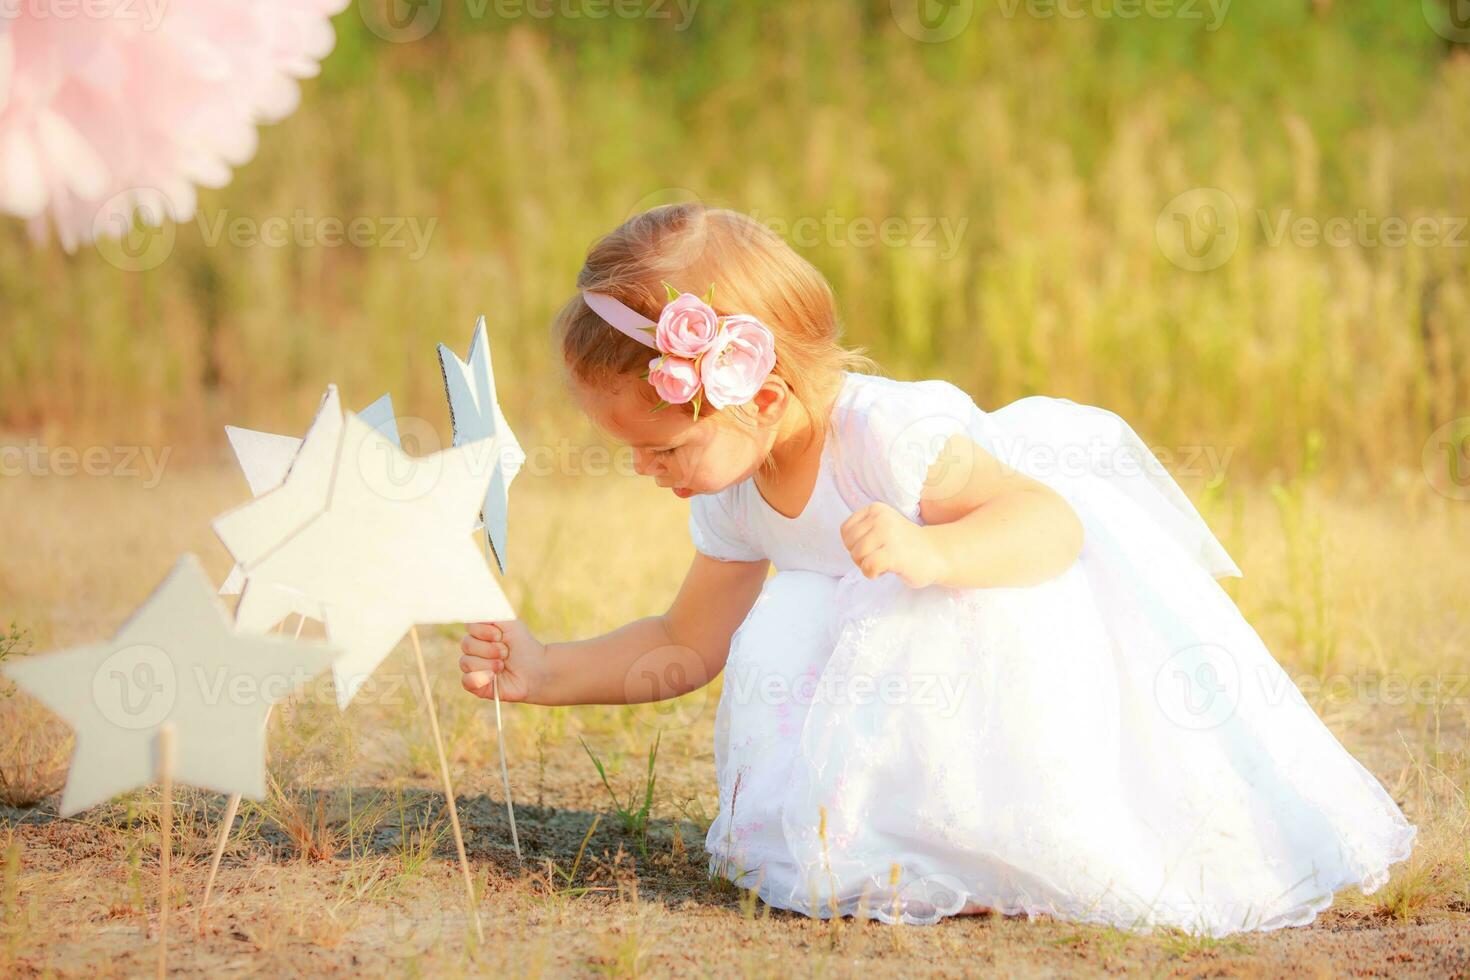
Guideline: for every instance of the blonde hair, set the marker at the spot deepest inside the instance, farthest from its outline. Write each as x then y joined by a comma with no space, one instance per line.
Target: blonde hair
753,271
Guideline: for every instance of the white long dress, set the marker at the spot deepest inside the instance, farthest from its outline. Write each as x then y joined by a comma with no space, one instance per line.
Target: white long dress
1114,745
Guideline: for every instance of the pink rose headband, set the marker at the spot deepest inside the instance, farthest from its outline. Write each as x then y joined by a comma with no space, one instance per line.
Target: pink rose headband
702,356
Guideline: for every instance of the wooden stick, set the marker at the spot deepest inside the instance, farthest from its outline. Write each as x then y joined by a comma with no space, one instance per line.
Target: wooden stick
464,861
510,808
504,770
232,807
165,846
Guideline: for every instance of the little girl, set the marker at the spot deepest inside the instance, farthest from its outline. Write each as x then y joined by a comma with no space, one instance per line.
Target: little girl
993,669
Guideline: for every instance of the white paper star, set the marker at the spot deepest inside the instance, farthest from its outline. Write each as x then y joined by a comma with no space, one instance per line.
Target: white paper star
265,458
176,660
475,414
379,539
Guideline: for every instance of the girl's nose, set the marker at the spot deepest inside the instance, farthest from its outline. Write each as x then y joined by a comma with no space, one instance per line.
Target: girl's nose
643,463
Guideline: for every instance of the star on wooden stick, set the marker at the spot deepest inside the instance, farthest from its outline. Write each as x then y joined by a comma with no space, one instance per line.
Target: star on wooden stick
176,661
379,539
475,414
265,459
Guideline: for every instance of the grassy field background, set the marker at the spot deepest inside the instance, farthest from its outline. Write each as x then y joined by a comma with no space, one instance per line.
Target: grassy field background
1114,209
994,209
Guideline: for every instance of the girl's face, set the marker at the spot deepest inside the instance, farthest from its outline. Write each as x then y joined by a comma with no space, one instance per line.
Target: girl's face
686,456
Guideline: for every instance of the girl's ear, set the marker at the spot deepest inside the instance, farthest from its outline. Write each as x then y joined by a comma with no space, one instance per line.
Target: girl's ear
771,401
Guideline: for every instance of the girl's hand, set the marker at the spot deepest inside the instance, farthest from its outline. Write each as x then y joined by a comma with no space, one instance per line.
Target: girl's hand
507,651
880,539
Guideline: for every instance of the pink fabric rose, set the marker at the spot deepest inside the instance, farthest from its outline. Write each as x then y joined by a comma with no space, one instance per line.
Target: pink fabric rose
742,355
676,379
686,327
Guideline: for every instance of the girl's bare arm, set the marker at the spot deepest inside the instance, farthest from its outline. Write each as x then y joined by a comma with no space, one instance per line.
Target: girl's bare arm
984,525
649,659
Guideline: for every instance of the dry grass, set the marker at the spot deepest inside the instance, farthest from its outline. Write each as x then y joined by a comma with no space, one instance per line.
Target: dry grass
34,748
347,864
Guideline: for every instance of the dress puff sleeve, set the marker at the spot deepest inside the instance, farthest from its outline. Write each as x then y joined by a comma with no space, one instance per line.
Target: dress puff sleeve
714,530
892,432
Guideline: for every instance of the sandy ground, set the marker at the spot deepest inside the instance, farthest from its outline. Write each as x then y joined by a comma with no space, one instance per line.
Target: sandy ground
350,868
87,899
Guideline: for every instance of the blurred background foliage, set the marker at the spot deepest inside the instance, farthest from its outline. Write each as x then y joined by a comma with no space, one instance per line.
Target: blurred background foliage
1047,146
